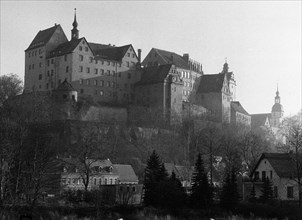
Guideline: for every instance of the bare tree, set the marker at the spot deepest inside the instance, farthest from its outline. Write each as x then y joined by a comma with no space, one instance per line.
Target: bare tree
10,85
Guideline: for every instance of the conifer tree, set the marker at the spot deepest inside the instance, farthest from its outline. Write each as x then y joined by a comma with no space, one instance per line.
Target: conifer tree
201,192
267,190
153,175
229,195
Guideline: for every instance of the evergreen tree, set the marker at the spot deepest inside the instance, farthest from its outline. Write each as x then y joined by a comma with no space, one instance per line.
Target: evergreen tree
267,191
201,192
153,175
229,195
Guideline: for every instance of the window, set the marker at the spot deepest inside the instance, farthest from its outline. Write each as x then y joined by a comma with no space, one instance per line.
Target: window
108,63
65,57
100,181
67,69
128,54
40,76
81,68
52,61
108,72
105,181
95,82
128,64
133,188
101,93
86,49
29,67
256,175
46,85
108,84
88,70
133,55
47,62
129,75
113,84
40,64
263,175
80,48
96,71
87,82
29,54
102,62
90,59
82,91
111,181
101,83
290,192
102,72
81,57
94,181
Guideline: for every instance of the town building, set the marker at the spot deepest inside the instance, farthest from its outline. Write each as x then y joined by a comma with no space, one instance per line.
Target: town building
280,169
239,116
188,70
106,73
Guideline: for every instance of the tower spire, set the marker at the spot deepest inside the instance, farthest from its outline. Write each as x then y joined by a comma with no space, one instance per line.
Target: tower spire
225,66
75,31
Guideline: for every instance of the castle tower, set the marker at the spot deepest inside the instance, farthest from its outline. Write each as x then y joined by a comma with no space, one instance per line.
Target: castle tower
277,111
75,31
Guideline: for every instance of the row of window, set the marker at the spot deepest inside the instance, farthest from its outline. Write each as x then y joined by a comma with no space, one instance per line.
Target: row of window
98,83
185,74
185,92
34,53
102,72
32,66
95,181
188,84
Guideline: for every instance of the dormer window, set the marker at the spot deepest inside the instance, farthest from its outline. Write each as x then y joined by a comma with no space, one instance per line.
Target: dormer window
110,169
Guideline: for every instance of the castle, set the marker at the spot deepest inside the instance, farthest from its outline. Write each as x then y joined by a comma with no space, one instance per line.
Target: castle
164,81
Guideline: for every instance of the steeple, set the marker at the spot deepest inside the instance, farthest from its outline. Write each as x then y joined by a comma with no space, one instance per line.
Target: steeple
277,97
225,67
75,31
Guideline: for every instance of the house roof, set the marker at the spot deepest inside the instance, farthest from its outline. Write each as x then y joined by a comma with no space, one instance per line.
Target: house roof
210,83
65,48
258,120
126,173
154,74
107,52
42,37
281,162
65,86
71,164
237,107
180,171
172,58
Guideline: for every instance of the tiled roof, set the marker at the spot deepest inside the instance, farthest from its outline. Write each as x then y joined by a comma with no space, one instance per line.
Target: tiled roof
258,120
65,86
42,37
71,164
107,52
173,58
238,108
281,162
65,48
154,74
126,173
210,83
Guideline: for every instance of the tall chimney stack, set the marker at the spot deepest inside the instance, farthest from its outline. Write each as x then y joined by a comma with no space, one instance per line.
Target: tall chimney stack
139,52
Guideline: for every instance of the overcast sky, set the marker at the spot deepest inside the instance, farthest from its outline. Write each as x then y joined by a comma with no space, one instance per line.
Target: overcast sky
261,39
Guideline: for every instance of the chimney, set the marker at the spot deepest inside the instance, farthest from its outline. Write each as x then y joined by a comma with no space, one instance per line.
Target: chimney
186,57
139,53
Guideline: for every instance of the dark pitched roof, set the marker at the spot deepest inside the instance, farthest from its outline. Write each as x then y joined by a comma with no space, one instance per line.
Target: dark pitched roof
107,52
65,86
180,171
65,48
126,173
258,120
211,83
171,57
281,162
154,74
238,108
42,37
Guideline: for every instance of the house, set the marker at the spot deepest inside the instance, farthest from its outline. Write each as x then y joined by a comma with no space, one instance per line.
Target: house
105,73
280,169
183,173
187,69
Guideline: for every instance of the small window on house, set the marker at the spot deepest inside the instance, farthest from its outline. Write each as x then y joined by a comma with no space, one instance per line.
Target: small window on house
100,181
256,175
86,49
105,181
81,81
108,63
108,72
29,54
81,69
128,54
29,67
290,192
40,65
80,48
96,71
102,72
133,55
133,188
46,85
90,59
47,62
128,64
67,69
263,175
113,84
52,61
101,83
95,181
108,84
40,76
51,72
82,91
113,73
128,188
101,93
87,82
81,57
95,82
111,182
88,70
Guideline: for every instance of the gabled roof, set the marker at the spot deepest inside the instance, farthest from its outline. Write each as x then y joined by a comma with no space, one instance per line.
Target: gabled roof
126,173
180,171
172,58
107,52
65,48
237,107
42,37
211,83
65,86
281,162
154,74
258,120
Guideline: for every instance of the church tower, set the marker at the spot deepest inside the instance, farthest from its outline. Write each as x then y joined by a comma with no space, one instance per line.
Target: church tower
231,80
277,111
75,31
